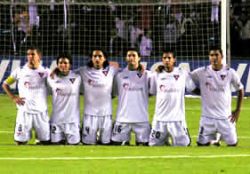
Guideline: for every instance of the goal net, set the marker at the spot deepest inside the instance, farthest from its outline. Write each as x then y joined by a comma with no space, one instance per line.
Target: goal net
189,27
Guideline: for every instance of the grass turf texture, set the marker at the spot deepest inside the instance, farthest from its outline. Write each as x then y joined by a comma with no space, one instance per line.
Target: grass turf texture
125,159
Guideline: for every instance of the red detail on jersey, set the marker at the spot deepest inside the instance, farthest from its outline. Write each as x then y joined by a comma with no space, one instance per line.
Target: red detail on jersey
41,74
176,77
27,84
90,81
162,87
125,86
207,84
222,77
72,80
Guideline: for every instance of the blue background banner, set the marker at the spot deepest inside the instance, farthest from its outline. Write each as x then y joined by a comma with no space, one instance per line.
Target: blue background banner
9,63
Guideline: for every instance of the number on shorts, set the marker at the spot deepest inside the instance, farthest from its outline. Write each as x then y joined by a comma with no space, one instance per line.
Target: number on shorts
53,129
156,134
118,128
87,130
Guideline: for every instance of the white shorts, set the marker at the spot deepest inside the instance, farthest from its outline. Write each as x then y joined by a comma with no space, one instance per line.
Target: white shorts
122,132
210,126
172,133
70,132
96,129
26,121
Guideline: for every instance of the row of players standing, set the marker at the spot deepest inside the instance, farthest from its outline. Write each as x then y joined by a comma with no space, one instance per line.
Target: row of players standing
133,85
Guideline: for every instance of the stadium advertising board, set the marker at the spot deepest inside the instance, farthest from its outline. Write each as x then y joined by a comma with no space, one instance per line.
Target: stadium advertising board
10,63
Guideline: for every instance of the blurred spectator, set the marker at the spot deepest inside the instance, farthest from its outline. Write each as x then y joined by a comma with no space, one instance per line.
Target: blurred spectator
22,27
171,32
146,45
135,32
122,28
33,15
244,24
215,11
118,45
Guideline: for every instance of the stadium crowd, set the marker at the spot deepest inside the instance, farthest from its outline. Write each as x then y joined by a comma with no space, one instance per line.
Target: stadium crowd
116,28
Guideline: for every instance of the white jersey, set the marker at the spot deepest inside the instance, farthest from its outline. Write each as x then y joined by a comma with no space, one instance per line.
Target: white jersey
132,90
97,85
65,98
216,90
169,89
32,87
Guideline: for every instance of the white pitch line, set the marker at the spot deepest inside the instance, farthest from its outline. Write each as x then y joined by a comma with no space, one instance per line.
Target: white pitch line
6,132
120,157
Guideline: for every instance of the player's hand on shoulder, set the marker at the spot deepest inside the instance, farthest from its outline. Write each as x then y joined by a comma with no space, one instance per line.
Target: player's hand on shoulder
114,64
53,73
141,68
160,68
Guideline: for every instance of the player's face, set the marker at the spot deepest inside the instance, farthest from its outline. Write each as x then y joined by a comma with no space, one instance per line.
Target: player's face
133,59
64,65
98,59
33,58
215,58
168,61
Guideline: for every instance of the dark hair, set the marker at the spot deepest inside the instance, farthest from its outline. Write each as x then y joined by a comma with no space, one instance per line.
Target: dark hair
105,63
133,49
35,49
169,51
66,56
215,48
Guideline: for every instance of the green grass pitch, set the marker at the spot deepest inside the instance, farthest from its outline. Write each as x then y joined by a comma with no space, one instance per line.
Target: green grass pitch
34,159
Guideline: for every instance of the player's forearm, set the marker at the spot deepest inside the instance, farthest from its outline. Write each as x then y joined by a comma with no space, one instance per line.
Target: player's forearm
239,99
6,88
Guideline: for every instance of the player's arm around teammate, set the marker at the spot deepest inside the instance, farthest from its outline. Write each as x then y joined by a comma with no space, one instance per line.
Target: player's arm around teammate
168,84
132,85
31,100
65,117
217,118
97,80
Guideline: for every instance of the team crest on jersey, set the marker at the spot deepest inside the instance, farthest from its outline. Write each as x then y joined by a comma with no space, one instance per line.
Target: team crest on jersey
106,71
139,74
72,80
41,74
222,77
176,77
